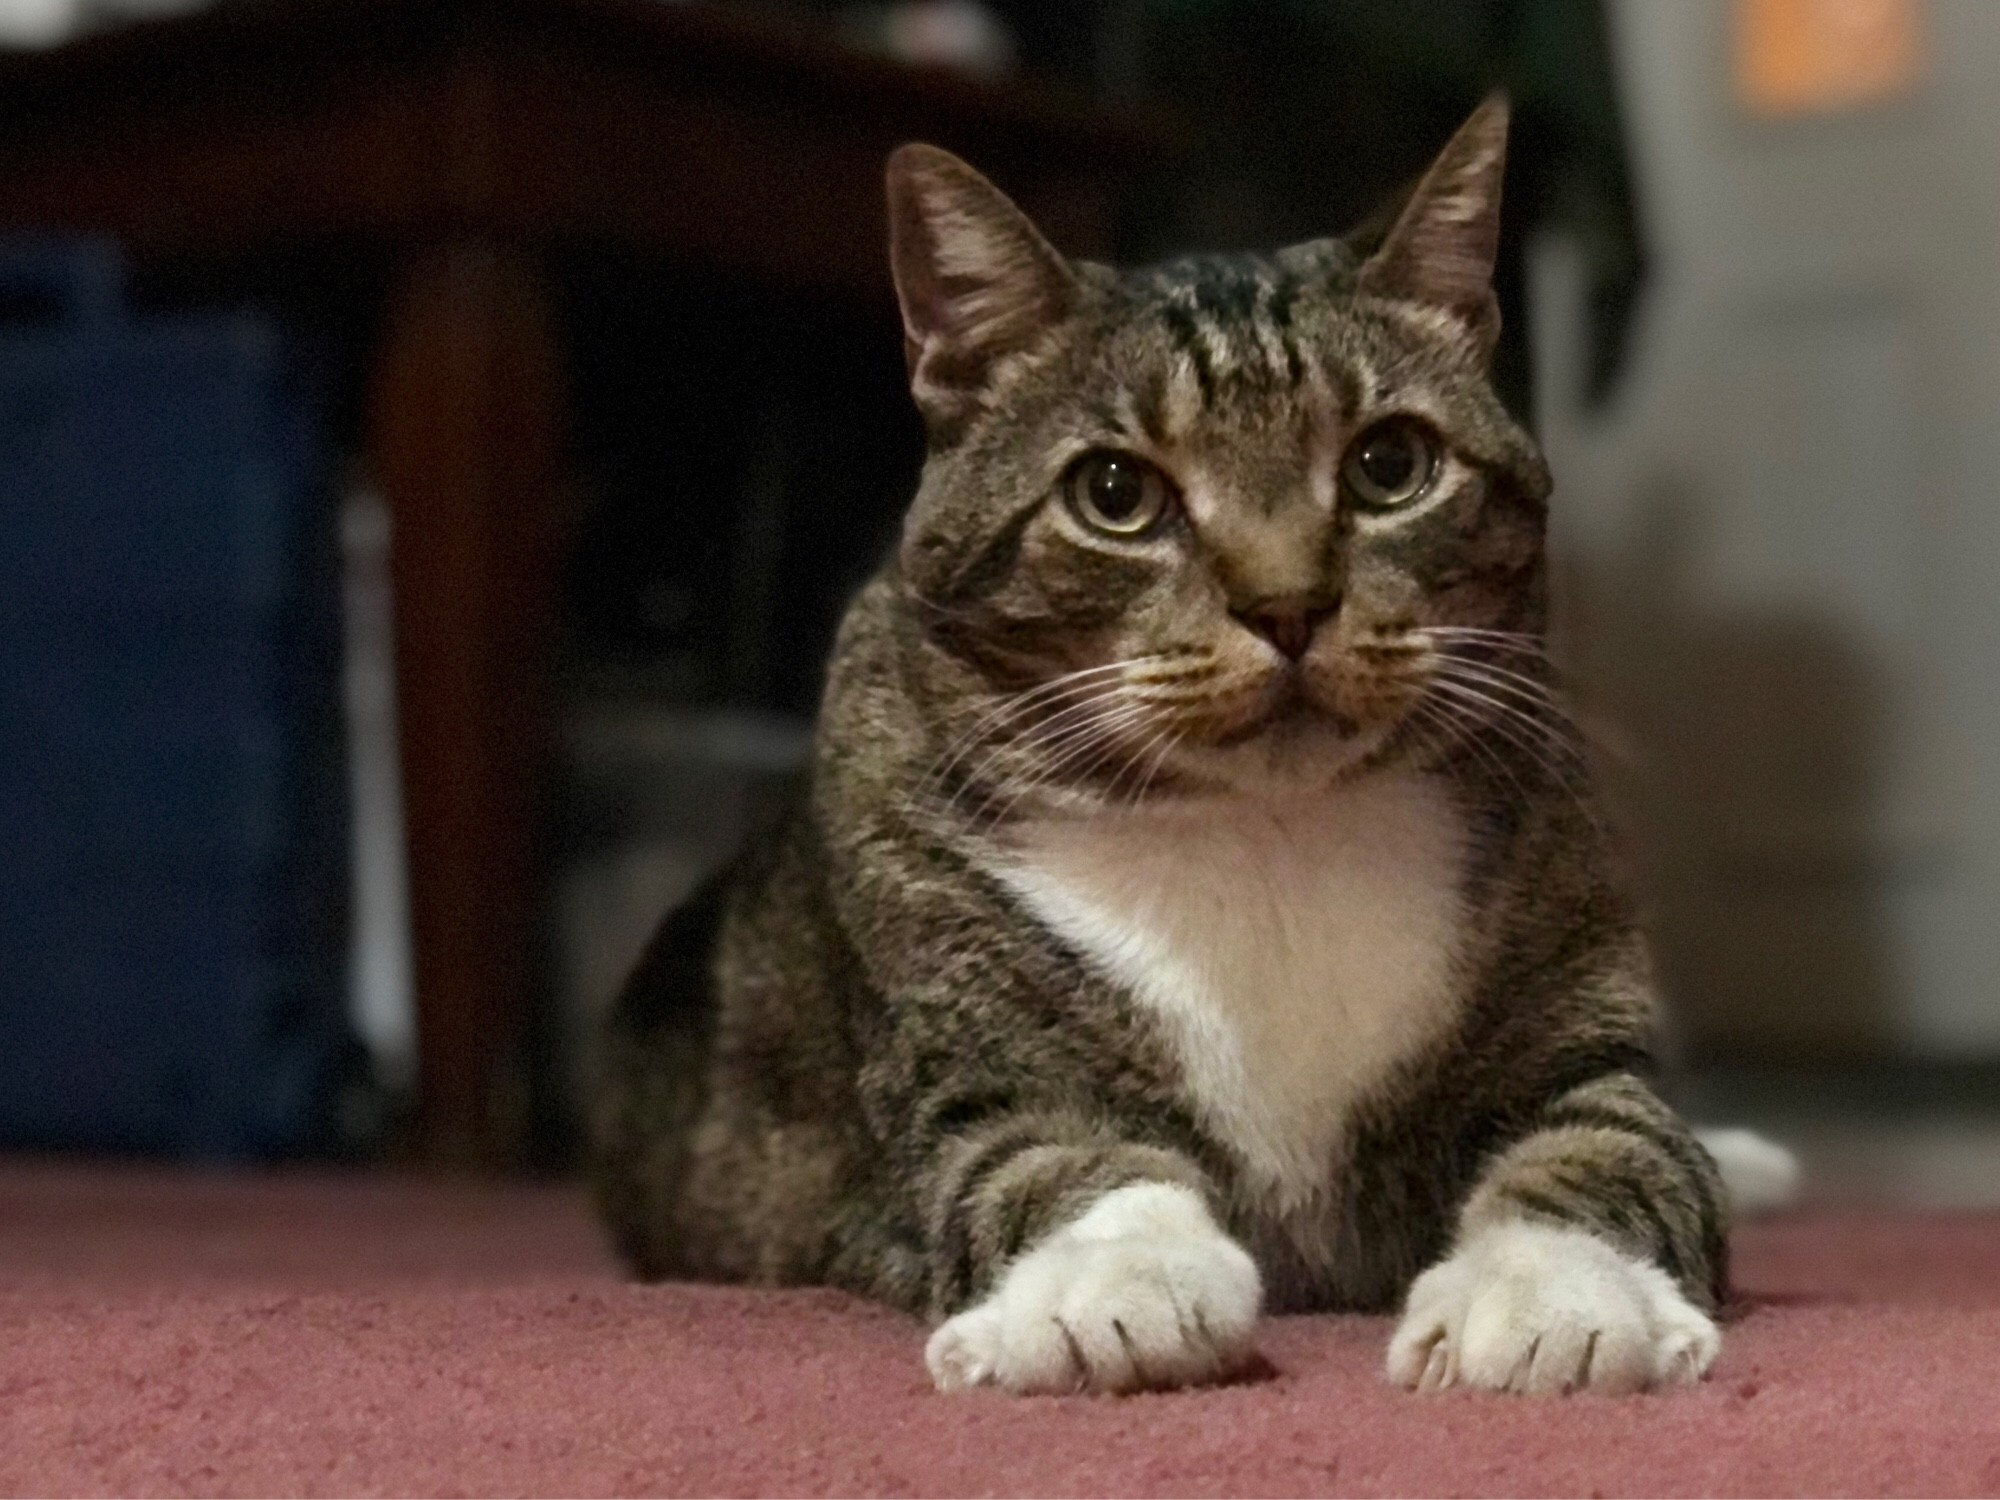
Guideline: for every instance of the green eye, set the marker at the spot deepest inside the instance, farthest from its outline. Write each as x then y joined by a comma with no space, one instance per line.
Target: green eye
1390,464
1117,493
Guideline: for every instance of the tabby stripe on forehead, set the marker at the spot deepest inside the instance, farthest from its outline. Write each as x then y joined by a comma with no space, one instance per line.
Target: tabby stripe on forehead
1226,295
1188,339
1295,365
1280,358
1347,383
1147,401
1233,297
1278,305
1278,311
1108,416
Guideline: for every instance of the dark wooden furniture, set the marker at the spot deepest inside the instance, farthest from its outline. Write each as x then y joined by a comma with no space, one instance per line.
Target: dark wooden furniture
462,143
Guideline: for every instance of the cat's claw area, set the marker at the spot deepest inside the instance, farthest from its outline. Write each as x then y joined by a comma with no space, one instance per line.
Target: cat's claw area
1141,1293
1542,1310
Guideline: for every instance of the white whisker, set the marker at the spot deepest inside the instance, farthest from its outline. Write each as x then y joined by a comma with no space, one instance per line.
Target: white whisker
1015,705
1465,725
1159,762
1512,696
1496,716
1062,754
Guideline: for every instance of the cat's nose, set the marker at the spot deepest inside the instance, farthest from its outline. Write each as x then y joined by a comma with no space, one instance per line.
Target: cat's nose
1288,624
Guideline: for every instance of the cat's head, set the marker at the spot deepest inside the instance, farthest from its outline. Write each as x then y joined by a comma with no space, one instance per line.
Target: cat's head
1207,524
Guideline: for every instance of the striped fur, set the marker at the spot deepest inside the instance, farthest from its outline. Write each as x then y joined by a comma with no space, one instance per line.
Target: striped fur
885,1051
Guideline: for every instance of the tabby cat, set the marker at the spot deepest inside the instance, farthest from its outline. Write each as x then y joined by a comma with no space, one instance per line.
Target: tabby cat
1194,905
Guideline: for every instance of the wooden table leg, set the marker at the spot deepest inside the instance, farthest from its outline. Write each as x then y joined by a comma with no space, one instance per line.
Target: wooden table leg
465,436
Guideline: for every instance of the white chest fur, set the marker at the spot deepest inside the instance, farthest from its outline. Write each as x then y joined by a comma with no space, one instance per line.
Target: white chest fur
1294,951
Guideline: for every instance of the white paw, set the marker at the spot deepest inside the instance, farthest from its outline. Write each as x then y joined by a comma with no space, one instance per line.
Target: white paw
1142,1292
1530,1307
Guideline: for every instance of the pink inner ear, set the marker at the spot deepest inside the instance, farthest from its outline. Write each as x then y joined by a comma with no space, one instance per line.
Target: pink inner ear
1442,250
975,279
913,254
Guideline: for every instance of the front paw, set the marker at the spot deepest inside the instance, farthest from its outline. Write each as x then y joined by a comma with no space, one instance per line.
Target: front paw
1531,1307
1142,1292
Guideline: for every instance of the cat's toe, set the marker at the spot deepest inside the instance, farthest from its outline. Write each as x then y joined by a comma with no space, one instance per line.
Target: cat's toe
1146,1316
1686,1346
1143,1292
1010,1343
1543,1310
965,1350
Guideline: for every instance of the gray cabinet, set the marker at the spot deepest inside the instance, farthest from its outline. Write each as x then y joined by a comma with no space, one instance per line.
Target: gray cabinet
1779,542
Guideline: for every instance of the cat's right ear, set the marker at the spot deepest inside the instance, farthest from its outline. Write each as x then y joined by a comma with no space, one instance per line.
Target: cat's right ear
976,280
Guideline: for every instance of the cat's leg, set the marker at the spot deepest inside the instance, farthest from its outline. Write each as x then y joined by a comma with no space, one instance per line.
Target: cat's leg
1090,1264
1588,1257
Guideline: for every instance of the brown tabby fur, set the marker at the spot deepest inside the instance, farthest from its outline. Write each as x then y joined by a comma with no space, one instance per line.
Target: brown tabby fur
855,1057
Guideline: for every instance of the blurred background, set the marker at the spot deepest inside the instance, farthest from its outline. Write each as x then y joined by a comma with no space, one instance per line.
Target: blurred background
438,438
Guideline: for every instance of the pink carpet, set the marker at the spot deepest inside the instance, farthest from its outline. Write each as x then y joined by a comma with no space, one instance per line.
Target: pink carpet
172,1334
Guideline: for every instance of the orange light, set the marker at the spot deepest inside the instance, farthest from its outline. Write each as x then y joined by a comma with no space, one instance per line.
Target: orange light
1813,56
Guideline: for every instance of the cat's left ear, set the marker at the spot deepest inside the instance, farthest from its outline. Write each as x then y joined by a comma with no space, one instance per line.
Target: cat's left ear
1442,249
976,280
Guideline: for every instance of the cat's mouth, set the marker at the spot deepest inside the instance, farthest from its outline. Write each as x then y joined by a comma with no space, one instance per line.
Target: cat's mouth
1342,702
1288,710
1199,729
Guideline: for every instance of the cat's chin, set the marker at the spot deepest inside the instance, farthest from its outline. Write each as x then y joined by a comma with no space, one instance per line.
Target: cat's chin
1296,752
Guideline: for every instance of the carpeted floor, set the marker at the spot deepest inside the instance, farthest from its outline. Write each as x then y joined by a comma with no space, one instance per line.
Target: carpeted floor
172,1334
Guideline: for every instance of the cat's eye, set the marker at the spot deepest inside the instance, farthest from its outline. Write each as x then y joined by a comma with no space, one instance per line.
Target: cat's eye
1117,493
1390,464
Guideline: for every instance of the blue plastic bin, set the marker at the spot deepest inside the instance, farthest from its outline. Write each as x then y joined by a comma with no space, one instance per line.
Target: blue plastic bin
172,820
